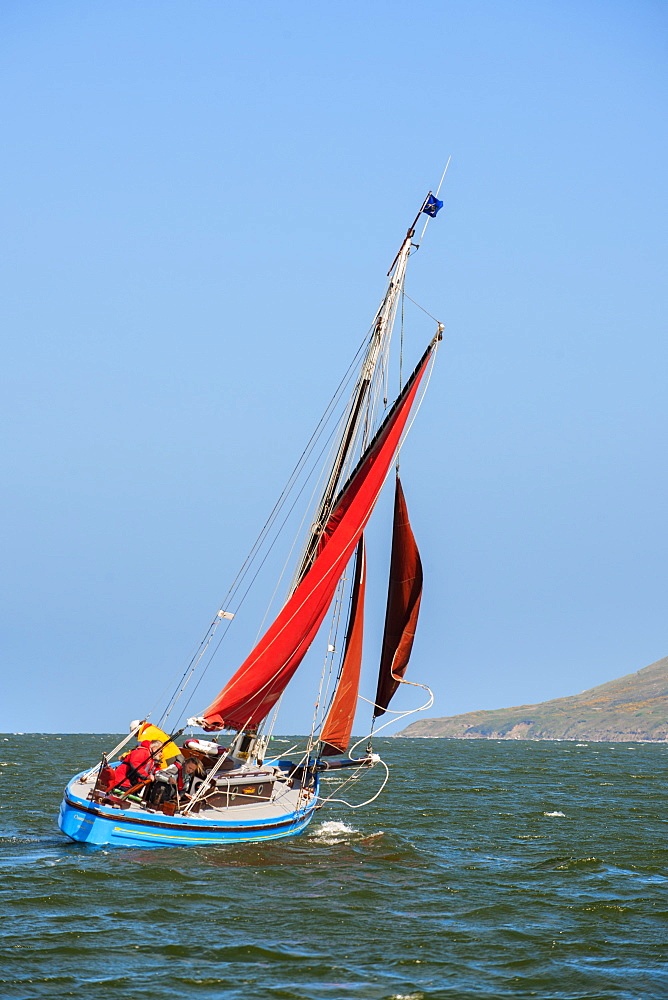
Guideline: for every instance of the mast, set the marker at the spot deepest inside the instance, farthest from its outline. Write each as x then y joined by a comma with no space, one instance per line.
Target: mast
361,402
365,451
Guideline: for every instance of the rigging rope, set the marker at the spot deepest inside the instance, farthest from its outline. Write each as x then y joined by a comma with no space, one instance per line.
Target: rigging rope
196,659
354,777
423,309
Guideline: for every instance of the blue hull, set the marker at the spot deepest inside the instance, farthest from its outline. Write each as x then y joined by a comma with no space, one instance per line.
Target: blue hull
90,823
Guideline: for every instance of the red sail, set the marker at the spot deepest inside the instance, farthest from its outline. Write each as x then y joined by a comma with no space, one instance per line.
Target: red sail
336,730
403,605
255,688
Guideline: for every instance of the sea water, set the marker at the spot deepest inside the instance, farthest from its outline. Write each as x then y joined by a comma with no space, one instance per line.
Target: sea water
485,869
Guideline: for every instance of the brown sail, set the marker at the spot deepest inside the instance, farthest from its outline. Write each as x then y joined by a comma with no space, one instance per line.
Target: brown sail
403,605
336,730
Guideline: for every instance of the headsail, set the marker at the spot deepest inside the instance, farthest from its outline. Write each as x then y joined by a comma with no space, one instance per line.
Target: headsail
337,727
257,685
403,605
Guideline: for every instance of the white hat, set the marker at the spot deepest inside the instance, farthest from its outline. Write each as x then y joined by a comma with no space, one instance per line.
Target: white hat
135,725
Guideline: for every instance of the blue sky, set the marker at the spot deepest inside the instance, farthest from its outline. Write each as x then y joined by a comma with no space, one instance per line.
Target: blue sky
200,201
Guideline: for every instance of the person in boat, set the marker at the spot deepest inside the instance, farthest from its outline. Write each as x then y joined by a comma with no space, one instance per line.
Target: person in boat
138,766
178,776
146,731
192,768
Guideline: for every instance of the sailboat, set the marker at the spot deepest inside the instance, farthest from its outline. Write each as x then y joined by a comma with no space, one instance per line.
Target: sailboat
239,788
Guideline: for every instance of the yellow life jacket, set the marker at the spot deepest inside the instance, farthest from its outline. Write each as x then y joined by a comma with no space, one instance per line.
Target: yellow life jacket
150,732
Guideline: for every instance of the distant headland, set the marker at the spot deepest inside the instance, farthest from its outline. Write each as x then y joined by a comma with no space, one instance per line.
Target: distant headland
633,707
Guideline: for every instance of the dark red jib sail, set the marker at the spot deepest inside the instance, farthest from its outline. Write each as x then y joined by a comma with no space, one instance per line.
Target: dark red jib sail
403,605
337,727
254,689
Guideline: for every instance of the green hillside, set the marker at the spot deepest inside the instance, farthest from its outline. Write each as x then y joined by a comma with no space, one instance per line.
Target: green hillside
633,707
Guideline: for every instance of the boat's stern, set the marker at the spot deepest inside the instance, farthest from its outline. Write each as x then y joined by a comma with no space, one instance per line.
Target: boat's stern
75,818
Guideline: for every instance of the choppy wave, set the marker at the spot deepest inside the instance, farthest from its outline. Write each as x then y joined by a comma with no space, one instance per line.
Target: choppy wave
484,871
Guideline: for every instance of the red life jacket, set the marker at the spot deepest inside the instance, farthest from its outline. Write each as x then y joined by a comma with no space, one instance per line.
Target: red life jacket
180,773
136,766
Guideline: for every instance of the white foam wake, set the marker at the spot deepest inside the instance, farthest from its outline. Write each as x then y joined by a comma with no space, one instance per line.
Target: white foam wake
334,832
557,813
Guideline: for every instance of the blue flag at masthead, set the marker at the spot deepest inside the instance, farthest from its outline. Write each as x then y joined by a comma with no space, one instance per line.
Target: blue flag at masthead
432,206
